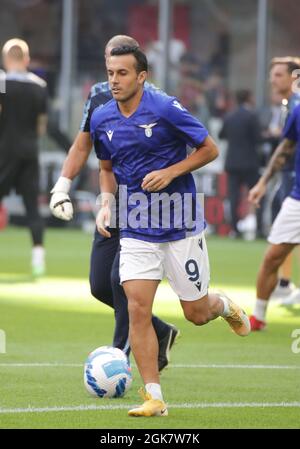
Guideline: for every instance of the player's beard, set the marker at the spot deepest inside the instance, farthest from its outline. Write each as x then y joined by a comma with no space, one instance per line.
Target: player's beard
126,96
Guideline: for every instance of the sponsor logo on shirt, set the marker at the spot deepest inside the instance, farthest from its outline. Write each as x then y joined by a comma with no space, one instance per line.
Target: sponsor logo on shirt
109,134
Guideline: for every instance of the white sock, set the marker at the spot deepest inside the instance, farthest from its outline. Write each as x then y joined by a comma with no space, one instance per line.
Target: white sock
260,309
38,255
154,390
226,310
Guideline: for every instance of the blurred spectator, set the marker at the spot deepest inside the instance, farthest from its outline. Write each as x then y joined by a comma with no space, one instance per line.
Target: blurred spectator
219,60
217,95
191,95
154,53
241,128
271,123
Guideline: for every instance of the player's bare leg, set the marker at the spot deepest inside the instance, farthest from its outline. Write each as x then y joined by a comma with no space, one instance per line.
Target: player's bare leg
285,271
203,310
144,344
213,305
284,285
267,275
267,280
143,340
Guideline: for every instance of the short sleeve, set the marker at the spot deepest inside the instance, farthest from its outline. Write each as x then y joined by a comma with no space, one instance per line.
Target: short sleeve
2,83
43,104
189,128
101,152
86,116
290,130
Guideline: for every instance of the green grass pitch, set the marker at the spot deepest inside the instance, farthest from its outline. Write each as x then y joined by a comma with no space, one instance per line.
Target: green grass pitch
216,379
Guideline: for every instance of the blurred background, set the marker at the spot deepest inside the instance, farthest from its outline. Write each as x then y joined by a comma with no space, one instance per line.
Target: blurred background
202,51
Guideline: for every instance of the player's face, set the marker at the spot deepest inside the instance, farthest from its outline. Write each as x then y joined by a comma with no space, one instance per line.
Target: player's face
123,78
280,79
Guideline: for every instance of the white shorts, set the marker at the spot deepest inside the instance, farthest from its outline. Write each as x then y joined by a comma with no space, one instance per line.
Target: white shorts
184,263
286,227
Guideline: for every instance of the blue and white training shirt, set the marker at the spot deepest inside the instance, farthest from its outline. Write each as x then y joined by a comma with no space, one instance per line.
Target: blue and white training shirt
292,132
154,137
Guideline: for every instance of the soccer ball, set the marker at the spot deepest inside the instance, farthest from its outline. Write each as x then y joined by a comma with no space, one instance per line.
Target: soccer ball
107,373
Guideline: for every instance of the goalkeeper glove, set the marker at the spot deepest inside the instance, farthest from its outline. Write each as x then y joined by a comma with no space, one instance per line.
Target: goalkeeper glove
60,203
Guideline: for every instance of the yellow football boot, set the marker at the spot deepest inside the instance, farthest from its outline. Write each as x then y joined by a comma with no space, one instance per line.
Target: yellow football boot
237,319
151,407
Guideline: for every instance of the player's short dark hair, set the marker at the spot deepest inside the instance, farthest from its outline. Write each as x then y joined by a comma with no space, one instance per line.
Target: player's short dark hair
140,57
292,62
243,96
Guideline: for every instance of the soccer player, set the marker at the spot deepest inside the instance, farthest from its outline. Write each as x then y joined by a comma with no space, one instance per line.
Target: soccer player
23,108
282,80
140,137
285,232
104,264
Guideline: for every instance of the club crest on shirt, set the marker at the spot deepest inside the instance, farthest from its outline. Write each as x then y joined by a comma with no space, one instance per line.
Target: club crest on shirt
148,129
109,134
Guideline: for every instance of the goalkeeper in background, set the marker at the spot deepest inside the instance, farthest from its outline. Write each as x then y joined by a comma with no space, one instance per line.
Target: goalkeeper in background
23,119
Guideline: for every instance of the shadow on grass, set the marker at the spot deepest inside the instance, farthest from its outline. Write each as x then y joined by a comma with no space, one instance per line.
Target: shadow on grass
292,310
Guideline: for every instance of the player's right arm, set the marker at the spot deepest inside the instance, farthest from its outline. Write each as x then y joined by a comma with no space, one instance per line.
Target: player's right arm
60,203
108,188
281,155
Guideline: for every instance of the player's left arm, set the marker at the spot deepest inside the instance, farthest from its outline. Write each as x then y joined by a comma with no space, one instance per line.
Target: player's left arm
108,188
159,179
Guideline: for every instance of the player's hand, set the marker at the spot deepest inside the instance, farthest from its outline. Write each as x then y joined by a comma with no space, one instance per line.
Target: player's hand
60,203
61,206
157,180
256,193
103,220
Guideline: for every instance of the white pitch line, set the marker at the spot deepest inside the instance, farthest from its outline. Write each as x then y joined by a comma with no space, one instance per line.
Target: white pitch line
180,365
201,405
235,366
41,365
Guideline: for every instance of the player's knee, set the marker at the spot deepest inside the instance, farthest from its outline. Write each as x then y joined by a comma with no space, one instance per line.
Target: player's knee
273,260
138,312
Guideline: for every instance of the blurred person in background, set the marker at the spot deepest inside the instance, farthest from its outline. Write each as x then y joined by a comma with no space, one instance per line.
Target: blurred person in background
190,89
23,119
154,54
285,231
282,81
241,128
272,125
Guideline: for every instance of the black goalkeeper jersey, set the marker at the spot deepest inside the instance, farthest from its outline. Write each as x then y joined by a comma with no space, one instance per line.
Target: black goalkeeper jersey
23,98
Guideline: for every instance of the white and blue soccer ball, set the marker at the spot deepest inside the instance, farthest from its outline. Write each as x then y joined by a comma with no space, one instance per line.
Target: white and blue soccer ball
107,373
